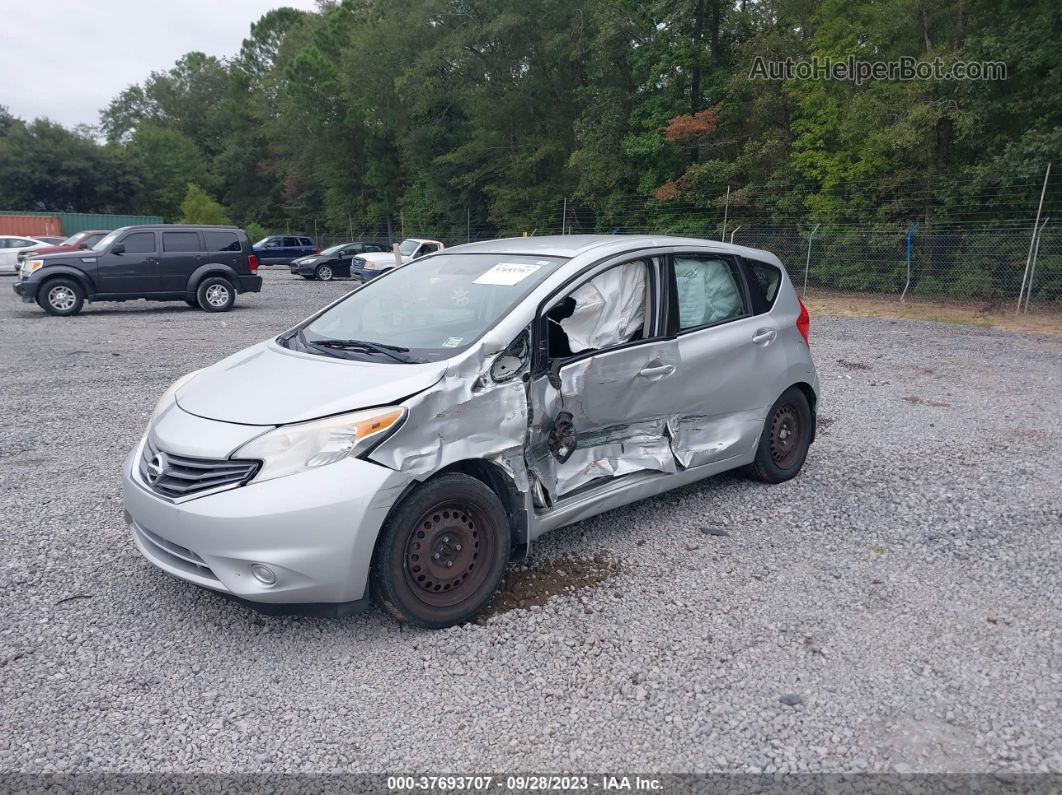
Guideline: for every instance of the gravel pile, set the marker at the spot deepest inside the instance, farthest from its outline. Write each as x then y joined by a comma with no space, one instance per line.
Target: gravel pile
896,607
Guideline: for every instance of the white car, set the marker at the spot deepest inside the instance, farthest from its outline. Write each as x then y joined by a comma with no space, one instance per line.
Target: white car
372,263
10,247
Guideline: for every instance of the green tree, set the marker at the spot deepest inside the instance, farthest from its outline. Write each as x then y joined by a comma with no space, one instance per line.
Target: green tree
199,207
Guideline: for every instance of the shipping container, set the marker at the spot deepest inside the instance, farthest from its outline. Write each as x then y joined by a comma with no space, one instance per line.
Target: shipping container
15,222
30,225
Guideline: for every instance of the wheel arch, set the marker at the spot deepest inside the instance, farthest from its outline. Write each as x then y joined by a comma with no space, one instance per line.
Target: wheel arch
497,480
211,269
813,399
65,271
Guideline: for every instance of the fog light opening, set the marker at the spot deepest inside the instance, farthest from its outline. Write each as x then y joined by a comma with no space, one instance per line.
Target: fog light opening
263,574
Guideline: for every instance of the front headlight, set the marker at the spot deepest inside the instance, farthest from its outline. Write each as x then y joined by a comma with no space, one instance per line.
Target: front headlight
31,265
170,394
307,445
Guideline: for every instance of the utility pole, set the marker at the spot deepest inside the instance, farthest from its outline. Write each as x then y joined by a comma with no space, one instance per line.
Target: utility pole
564,214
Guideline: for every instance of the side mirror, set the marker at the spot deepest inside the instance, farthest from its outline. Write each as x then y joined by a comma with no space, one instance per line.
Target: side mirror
118,248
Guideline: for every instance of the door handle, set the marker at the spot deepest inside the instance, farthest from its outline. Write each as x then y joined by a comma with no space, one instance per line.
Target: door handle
763,336
657,372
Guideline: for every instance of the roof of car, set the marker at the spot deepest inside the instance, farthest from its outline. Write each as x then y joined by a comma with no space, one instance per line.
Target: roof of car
573,245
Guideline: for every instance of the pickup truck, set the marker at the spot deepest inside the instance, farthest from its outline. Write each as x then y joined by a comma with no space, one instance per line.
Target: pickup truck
371,264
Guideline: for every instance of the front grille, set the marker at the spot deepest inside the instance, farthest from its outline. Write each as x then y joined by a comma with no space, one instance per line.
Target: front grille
182,476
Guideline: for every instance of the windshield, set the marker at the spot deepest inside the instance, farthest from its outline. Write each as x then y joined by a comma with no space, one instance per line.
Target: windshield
407,247
425,311
333,249
73,240
262,242
104,244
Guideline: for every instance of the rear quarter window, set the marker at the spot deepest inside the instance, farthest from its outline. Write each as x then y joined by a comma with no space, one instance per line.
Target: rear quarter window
764,283
222,241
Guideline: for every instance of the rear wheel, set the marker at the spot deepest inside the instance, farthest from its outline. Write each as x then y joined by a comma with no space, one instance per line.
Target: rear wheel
324,273
62,297
215,294
442,553
785,439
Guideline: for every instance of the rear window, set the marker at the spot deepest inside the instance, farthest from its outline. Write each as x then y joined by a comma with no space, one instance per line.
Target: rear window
764,281
222,241
708,291
180,241
305,241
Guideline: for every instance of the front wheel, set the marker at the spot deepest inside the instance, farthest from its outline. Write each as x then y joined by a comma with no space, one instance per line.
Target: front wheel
324,273
785,438
442,553
63,297
215,294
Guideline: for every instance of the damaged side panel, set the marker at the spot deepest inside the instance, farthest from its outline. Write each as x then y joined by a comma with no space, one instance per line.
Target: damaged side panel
466,415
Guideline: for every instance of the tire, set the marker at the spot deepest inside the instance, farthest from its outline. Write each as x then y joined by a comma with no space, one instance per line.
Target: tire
215,294
324,273
61,297
785,439
452,519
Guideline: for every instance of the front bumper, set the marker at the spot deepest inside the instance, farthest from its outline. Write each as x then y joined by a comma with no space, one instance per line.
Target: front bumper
27,290
366,274
315,531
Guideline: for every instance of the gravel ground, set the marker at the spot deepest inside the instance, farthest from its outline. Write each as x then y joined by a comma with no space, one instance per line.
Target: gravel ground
896,607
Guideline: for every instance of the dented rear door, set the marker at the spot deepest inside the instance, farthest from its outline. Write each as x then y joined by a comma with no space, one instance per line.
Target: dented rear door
731,364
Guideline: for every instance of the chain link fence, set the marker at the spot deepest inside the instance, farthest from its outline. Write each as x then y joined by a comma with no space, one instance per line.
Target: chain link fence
944,262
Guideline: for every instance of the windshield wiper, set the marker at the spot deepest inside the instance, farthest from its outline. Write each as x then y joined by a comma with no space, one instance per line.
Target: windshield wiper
393,351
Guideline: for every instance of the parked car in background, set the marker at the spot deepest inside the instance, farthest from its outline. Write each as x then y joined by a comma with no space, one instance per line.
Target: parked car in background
332,262
369,266
11,246
86,239
412,438
282,249
54,241
204,266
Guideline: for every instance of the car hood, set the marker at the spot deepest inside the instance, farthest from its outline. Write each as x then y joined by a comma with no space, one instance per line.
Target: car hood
45,250
380,257
269,385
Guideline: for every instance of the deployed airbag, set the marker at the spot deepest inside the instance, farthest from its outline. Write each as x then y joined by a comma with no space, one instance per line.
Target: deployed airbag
609,309
707,292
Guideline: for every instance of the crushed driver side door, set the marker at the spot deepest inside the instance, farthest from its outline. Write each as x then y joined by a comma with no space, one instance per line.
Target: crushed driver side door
602,413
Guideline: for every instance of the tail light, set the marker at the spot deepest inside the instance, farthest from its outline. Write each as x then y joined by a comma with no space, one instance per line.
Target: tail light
252,263
317,250
803,323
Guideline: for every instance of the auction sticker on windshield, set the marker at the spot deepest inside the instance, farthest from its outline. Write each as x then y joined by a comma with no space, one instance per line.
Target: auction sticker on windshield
507,274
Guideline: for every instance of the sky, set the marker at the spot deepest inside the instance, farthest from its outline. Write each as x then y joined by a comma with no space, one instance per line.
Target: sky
67,59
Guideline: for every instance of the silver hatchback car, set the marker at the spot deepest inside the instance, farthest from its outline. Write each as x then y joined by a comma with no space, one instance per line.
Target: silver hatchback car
413,437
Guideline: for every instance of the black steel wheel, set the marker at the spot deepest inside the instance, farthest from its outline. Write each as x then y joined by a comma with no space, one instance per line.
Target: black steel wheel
442,553
785,438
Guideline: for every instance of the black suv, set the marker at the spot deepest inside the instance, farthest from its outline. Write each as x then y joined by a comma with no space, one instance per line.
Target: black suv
204,266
